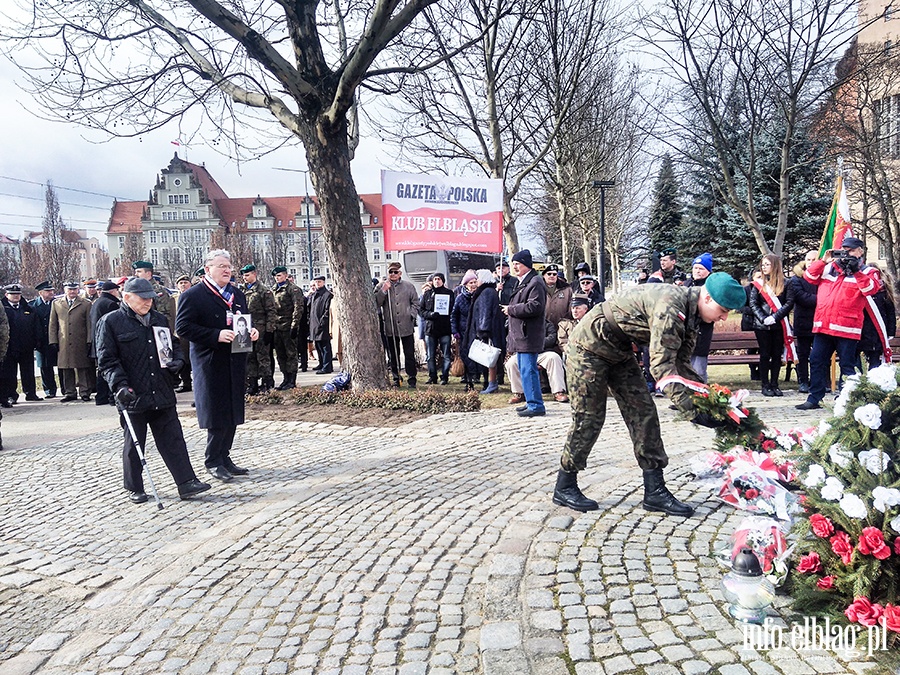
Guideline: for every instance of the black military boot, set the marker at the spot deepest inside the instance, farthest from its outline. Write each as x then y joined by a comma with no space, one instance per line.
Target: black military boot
253,387
568,494
267,384
658,498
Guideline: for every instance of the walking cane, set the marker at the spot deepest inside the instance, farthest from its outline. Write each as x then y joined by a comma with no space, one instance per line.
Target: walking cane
395,346
140,452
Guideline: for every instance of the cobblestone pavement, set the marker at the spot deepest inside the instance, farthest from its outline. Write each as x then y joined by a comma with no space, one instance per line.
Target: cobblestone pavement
430,548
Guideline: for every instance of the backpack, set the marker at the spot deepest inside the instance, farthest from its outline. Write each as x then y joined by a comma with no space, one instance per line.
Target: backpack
340,382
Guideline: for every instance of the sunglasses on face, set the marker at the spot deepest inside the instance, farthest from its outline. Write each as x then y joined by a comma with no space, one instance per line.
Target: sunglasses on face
550,274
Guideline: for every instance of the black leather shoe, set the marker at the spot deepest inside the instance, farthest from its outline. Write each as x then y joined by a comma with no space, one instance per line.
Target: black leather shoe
568,494
66,399
86,398
6,403
803,388
235,470
221,473
531,413
137,497
47,394
808,405
767,390
658,498
777,392
33,397
521,408
191,488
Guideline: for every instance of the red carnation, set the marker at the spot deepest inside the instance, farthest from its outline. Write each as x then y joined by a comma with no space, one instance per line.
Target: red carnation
810,564
864,612
897,545
842,546
825,583
892,617
821,525
768,445
751,493
871,542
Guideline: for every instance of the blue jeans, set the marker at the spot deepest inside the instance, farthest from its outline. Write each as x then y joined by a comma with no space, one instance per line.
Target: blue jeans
431,346
531,380
820,362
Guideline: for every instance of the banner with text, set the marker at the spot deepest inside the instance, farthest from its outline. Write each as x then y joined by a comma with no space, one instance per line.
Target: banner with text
441,213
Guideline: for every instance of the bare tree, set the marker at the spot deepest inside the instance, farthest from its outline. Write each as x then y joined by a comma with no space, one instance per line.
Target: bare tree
31,271
748,73
59,255
132,250
10,268
128,67
104,268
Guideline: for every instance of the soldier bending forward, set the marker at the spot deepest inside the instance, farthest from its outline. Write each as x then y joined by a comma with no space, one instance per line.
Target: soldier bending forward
600,358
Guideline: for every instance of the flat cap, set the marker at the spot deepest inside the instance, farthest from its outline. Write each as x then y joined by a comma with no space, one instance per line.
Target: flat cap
140,287
853,242
109,285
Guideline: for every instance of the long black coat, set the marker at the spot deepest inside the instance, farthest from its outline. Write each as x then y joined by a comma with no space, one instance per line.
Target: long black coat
485,320
805,295
320,314
127,357
870,340
102,306
527,310
219,375
24,327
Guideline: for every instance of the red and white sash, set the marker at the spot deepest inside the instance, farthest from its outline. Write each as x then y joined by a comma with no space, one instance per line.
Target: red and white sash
878,322
790,348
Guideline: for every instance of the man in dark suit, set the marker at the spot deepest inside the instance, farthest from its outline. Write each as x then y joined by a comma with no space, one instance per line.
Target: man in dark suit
24,325
206,319
46,352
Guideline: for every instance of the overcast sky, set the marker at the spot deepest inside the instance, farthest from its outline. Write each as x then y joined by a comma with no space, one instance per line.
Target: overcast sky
77,159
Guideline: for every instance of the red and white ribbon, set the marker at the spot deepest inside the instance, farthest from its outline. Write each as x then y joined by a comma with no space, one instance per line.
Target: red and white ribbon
790,348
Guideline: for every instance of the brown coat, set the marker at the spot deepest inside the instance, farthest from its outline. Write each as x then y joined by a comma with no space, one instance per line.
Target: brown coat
70,328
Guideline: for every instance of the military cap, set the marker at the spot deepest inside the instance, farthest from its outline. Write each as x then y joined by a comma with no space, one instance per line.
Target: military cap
109,285
582,267
552,267
503,263
13,288
321,277
281,269
200,272
726,292
44,286
183,277
70,284
140,287
581,299
248,268
853,242
141,264
670,252
90,283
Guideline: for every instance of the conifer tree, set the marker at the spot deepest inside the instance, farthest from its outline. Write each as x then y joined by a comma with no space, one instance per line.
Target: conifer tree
666,212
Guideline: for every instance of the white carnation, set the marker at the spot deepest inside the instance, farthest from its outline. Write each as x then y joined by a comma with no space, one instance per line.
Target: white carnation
838,454
885,498
840,407
884,376
853,506
875,460
815,476
823,428
895,524
868,415
833,489
785,441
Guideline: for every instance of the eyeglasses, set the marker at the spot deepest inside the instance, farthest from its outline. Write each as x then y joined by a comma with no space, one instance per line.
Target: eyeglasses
222,267
394,272
588,281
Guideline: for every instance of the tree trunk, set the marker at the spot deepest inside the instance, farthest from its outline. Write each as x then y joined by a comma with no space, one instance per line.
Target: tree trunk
328,157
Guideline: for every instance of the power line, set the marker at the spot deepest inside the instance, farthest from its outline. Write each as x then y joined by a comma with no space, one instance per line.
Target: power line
40,199
60,187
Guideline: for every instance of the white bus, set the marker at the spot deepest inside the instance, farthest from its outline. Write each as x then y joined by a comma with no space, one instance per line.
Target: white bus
419,265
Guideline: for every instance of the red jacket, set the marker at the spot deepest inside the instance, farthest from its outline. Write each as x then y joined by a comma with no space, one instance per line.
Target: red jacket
841,303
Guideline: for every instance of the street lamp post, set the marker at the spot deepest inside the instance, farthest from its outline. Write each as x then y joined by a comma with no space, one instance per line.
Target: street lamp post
306,202
603,185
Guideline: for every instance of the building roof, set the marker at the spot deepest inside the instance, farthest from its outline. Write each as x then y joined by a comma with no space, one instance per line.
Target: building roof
7,240
207,182
126,217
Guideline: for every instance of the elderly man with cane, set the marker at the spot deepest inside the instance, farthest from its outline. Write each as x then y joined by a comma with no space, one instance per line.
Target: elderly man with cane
127,358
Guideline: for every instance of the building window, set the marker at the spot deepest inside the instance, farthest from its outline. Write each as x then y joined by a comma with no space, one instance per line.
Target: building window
376,271
176,255
293,272
375,236
152,235
177,182
291,239
174,236
258,225
198,235
170,215
365,237
154,256
292,257
179,199
387,255
121,242
254,239
376,254
164,236
189,215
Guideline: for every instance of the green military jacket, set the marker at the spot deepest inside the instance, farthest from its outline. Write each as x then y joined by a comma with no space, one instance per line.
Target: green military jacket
289,306
663,316
164,304
261,305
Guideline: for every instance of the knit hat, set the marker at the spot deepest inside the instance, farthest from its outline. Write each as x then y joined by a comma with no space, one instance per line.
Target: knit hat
582,267
524,257
725,291
704,259
469,276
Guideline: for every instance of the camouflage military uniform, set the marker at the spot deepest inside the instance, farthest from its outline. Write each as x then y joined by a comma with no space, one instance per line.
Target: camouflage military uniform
601,359
289,307
164,304
261,305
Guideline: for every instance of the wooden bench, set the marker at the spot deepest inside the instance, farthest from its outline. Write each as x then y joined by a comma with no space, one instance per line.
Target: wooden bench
725,343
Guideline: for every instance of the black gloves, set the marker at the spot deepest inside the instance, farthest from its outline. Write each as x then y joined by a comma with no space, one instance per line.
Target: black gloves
483,335
125,397
706,420
268,339
851,265
175,367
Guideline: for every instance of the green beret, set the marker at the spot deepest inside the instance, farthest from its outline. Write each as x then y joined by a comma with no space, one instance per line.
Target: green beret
726,292
248,268
141,264
281,269
200,272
